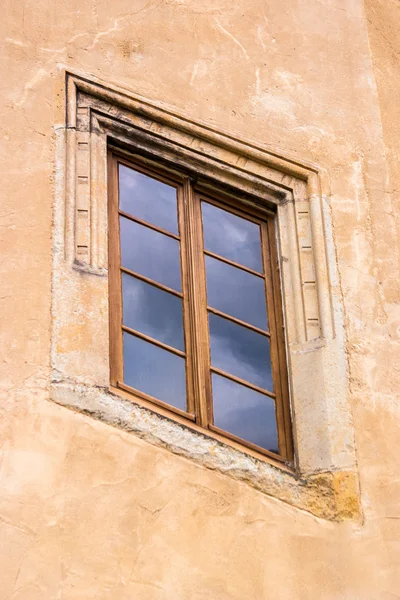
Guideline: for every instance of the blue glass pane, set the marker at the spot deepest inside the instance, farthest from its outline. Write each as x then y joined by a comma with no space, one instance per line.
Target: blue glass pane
152,311
232,237
245,413
150,253
155,371
148,199
236,292
240,351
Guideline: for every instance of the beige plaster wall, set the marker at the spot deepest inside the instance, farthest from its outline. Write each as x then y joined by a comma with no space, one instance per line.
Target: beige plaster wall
87,511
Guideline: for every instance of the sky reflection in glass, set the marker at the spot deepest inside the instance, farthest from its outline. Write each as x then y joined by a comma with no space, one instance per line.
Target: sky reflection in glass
232,237
148,199
150,253
155,371
240,351
236,292
245,413
152,311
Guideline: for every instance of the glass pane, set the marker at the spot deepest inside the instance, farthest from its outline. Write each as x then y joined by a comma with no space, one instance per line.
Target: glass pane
154,371
236,292
244,413
152,311
150,253
232,237
148,199
240,351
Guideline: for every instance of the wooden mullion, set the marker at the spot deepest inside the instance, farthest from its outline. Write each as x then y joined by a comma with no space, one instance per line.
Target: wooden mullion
192,403
146,167
198,303
114,275
148,225
273,327
244,442
195,309
147,398
238,206
151,340
159,286
243,382
280,340
223,315
212,432
232,263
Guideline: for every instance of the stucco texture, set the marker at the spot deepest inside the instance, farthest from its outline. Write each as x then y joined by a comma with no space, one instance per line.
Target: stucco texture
89,511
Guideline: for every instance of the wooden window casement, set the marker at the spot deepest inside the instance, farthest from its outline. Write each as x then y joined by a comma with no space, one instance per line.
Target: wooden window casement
196,325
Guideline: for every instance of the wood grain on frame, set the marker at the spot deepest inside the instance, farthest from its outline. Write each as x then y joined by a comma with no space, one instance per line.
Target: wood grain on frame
195,309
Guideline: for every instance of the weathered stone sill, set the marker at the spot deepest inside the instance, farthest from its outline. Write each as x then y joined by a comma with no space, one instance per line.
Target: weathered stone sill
328,495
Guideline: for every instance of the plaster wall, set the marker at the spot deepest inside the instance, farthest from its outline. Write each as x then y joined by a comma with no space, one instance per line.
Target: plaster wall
88,511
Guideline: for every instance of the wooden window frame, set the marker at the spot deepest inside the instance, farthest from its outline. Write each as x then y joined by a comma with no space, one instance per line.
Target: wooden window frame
195,310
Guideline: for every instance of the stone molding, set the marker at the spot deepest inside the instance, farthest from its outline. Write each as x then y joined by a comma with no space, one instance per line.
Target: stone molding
93,116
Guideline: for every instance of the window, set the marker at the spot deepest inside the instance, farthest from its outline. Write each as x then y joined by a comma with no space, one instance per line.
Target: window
195,308
97,118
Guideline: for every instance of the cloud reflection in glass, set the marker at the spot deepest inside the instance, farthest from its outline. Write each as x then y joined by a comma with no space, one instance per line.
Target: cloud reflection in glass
240,351
232,237
150,253
148,199
236,292
152,311
244,413
154,371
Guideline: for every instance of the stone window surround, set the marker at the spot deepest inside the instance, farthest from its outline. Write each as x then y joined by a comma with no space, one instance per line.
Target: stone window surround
92,116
